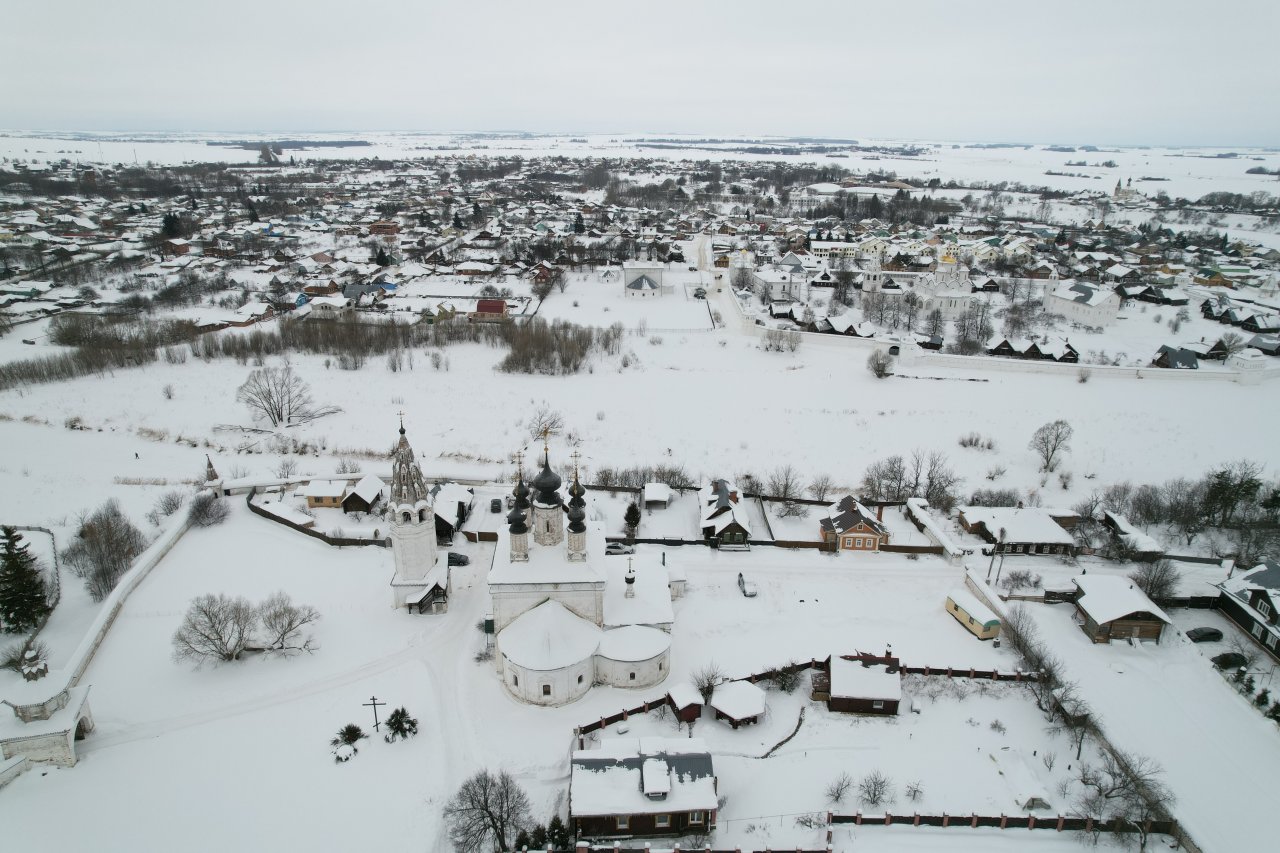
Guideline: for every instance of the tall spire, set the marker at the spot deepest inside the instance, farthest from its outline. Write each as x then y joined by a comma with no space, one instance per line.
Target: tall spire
407,484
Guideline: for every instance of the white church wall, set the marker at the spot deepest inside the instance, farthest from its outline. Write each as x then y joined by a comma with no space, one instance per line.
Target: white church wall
644,673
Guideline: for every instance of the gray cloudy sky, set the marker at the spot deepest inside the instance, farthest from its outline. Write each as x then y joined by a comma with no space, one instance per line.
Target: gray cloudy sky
1112,72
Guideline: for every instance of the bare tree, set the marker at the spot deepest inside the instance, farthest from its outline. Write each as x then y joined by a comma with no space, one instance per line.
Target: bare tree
1126,789
706,679
287,468
820,487
1050,441
876,788
103,549
280,396
487,812
838,788
545,422
215,628
1158,579
880,363
784,483
207,510
1232,343
283,621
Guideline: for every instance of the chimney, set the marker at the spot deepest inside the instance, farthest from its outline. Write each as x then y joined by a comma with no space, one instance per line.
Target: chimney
880,512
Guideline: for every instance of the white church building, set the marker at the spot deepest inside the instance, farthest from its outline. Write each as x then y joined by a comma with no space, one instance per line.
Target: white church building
567,616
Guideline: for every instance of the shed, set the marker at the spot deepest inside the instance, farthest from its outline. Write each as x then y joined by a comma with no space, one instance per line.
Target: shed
739,702
686,701
324,493
656,494
363,495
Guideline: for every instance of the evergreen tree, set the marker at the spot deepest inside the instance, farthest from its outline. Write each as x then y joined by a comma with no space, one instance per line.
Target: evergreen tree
457,220
23,599
382,260
558,834
522,840
538,837
400,725
631,518
578,225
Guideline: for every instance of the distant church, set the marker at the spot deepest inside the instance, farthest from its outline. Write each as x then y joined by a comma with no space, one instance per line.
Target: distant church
421,580
566,615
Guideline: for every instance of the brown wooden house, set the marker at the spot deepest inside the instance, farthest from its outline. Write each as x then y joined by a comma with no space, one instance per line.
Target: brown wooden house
850,526
1252,601
1110,607
864,685
641,787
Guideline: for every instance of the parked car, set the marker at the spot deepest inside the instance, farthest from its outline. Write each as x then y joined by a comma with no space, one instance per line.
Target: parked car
700,293
613,549
1229,660
456,559
495,505
747,587
1204,635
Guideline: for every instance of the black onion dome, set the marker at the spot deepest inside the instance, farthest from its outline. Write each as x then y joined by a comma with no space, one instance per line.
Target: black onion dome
577,517
521,493
547,485
516,519
576,491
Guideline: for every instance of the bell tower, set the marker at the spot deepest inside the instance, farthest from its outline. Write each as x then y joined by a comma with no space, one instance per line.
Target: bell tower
413,522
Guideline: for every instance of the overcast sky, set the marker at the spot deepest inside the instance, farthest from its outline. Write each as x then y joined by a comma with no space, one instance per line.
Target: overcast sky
1176,72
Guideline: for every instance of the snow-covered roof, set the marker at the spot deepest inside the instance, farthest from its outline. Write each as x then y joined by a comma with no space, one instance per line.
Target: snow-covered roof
323,489
971,604
684,694
618,778
1027,524
549,564
368,489
550,636
650,602
634,643
738,699
657,492
851,680
1109,597
1132,537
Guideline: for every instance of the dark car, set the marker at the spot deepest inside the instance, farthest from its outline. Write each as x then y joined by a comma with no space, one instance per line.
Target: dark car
1230,660
1204,635
456,559
495,505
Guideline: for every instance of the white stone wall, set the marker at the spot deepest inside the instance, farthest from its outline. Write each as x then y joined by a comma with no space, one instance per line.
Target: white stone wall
566,685
53,748
647,672
510,600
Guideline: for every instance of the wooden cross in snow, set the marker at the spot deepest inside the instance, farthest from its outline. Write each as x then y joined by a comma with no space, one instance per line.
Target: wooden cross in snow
375,704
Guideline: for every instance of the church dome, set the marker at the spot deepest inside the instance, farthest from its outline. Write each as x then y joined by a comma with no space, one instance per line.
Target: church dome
577,518
547,485
516,519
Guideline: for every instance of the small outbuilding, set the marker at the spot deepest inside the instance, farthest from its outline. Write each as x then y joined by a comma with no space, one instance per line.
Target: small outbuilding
363,495
976,617
738,702
656,495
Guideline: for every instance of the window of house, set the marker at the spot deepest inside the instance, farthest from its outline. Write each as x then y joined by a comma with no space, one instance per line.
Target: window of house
662,821
1264,608
546,690
1257,630
632,677
697,817
1271,641
878,704
624,821
857,543
970,620
848,542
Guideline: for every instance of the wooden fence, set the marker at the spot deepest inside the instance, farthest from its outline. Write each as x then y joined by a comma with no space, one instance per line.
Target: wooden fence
338,541
1059,823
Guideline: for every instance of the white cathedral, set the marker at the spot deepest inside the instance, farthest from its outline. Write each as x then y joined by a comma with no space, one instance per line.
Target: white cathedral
567,616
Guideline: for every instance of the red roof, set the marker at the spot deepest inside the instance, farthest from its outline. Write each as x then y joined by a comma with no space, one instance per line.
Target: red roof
491,306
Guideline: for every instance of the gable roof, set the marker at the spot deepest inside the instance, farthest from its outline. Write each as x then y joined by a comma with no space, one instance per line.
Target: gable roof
847,513
1109,597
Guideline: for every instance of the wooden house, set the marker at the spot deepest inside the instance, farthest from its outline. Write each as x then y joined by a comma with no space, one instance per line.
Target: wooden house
724,521
452,503
864,687
324,493
363,495
1110,607
1021,530
975,616
642,787
489,311
1252,601
1175,358
850,526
